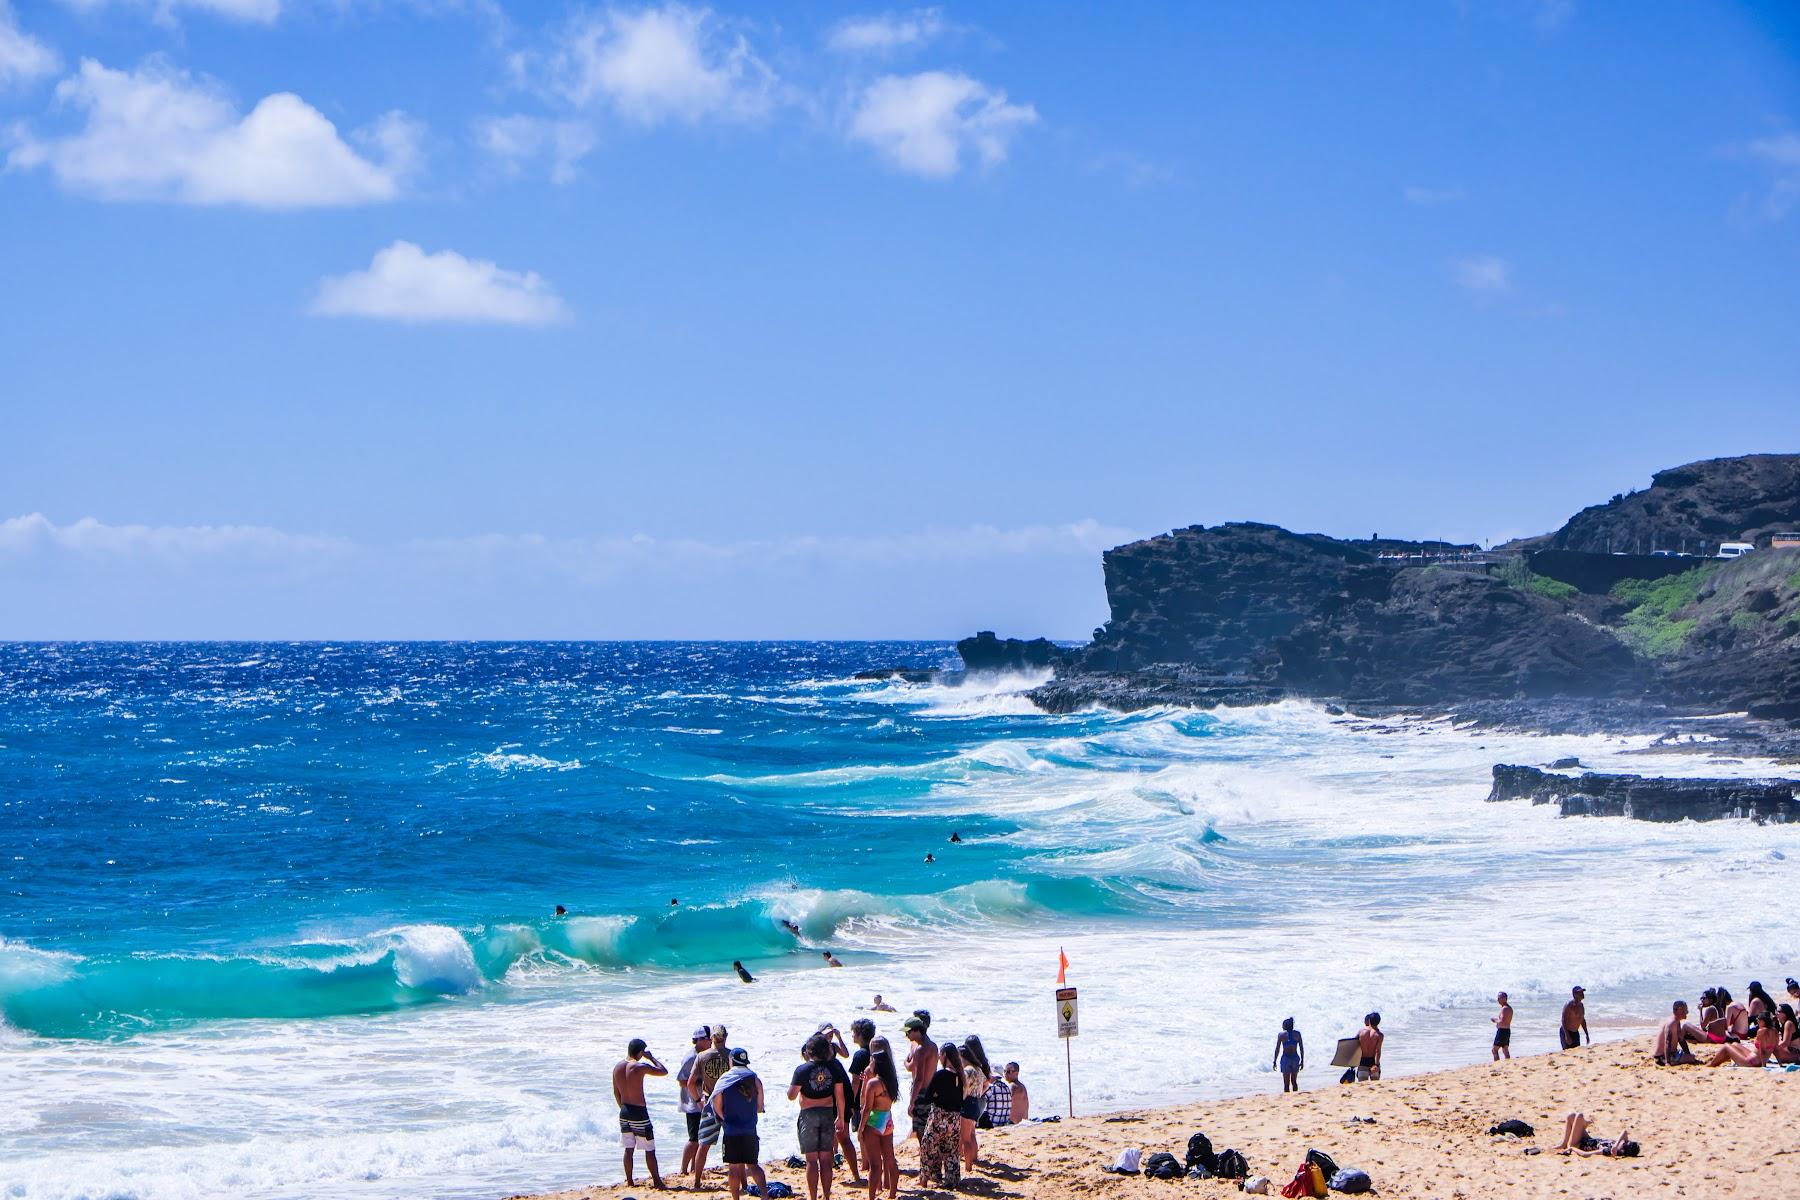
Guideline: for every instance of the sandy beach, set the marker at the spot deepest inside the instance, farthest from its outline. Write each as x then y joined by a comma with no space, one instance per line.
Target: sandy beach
1726,1132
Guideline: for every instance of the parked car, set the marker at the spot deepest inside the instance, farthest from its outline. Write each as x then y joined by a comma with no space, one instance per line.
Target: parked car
1735,549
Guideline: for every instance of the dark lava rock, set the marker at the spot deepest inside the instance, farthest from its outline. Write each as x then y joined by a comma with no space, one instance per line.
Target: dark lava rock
985,652
1565,764
1717,500
1645,799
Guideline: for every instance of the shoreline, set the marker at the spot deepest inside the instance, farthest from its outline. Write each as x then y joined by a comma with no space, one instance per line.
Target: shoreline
1707,1132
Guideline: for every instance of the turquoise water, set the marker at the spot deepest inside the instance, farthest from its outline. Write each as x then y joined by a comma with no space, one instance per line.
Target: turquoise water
279,919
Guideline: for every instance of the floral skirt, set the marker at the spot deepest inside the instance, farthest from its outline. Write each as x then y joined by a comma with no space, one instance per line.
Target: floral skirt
940,1150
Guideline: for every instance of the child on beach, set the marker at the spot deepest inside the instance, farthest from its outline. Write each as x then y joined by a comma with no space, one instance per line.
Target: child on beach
1290,1056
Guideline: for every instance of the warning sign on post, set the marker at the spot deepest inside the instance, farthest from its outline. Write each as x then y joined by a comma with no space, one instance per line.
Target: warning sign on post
1067,1025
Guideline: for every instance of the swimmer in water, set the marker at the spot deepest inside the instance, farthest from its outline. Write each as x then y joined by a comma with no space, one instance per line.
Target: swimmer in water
561,911
830,961
790,927
955,836
930,857
742,974
880,1005
673,903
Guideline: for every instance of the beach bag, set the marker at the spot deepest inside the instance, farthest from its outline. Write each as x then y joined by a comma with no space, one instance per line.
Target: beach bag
1231,1165
1200,1153
1258,1185
1307,1182
1322,1160
1515,1127
1162,1165
1351,1182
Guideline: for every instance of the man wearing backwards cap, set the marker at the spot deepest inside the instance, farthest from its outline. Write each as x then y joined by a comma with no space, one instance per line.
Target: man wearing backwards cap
1574,1020
690,1101
922,1064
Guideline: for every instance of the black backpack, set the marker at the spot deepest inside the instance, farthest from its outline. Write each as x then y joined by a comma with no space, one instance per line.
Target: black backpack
1515,1127
1200,1154
1162,1165
1323,1161
1232,1165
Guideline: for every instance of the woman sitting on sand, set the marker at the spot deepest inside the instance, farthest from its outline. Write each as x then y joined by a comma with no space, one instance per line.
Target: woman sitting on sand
1712,1015
1577,1140
1787,1046
878,1084
1761,1003
1757,1054
940,1147
1737,1017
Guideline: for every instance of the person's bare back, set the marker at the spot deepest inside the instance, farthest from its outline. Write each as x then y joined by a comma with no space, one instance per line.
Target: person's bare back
628,1078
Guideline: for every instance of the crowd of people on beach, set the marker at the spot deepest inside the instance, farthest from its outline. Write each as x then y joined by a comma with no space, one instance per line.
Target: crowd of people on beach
949,1091
1753,1032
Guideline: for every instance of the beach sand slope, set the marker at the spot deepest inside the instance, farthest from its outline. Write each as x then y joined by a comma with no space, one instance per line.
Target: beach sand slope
1733,1131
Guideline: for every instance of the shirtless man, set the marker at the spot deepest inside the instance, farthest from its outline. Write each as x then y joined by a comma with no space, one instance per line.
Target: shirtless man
1673,1038
1368,1044
1021,1100
634,1117
880,1005
1502,1028
921,1065
1574,1020
830,961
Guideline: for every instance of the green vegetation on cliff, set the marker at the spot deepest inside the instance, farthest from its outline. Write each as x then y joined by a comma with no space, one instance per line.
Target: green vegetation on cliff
1653,627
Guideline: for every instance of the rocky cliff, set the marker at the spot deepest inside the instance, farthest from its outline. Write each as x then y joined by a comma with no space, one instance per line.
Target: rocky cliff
1596,795
1244,613
1700,504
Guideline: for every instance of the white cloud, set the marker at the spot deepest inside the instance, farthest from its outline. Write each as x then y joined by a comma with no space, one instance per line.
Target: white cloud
1485,273
1428,197
36,533
404,283
22,57
887,33
1781,154
513,141
259,12
926,123
655,64
158,134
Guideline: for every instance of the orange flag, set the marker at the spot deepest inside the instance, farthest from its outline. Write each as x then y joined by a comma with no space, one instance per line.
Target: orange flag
1062,967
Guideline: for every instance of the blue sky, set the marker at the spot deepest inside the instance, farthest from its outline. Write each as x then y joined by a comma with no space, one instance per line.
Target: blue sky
432,318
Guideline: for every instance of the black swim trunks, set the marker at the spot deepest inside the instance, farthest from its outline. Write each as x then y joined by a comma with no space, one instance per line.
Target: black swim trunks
635,1131
1503,1037
741,1149
1570,1038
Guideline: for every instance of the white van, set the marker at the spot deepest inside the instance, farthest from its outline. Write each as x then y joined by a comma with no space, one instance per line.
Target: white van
1735,549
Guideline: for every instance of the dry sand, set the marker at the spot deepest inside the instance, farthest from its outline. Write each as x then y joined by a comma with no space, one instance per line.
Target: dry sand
1726,1132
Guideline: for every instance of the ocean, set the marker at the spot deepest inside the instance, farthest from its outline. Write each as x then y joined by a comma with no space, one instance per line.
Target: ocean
279,919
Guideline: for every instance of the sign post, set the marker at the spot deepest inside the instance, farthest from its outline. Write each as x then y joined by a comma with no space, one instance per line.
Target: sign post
1068,1026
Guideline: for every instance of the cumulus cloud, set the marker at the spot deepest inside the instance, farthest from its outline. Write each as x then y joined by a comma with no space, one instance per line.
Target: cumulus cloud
404,283
35,533
1429,197
1487,274
157,133
887,33
517,140
260,12
666,63
930,122
22,57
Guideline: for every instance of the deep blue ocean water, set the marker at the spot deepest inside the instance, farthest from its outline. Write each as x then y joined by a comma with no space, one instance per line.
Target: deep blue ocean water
278,919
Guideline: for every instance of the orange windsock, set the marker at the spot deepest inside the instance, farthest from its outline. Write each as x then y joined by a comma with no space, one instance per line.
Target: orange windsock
1062,967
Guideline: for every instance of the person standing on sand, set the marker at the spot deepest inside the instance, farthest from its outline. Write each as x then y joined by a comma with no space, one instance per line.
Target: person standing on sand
709,1067
635,1130
689,1103
1021,1099
921,1065
1369,1040
1290,1056
1574,1020
876,1086
822,1109
1502,1028
940,1157
735,1105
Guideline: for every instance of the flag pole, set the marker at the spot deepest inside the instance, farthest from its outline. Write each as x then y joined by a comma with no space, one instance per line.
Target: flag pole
1069,1076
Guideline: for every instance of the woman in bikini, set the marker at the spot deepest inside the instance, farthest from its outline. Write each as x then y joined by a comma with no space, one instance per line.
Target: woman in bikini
1756,1054
1290,1056
977,1075
1577,1140
877,1086
1787,1046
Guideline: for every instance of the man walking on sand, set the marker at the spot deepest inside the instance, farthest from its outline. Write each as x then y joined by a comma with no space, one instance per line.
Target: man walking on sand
1502,1028
635,1131
1574,1020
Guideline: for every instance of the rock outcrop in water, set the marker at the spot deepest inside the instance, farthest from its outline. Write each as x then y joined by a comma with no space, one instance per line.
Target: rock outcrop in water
1245,613
1644,799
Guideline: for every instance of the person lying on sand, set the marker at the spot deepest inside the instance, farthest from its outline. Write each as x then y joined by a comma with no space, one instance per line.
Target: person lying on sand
1577,1139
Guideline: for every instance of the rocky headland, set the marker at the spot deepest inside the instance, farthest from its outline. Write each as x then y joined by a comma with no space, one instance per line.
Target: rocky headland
1246,613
